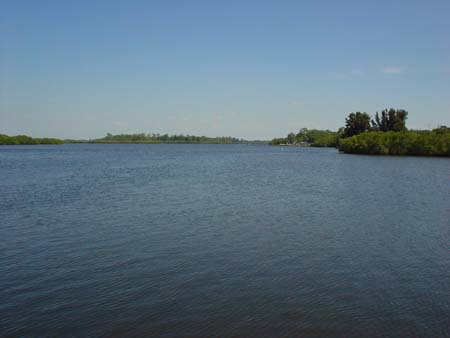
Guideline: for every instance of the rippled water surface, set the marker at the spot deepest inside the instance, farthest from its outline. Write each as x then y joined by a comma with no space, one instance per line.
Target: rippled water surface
222,241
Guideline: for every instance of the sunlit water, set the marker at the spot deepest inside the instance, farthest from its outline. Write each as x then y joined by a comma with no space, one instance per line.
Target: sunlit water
222,241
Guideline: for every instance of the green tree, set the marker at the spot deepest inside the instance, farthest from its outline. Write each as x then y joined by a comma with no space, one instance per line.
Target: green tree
291,138
302,135
390,120
356,123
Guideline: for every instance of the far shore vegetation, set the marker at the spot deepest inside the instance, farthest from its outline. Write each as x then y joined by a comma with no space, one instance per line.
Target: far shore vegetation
130,138
309,137
165,138
23,139
384,134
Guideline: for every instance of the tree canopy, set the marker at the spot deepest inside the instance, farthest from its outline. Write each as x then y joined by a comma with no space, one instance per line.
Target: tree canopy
390,120
356,123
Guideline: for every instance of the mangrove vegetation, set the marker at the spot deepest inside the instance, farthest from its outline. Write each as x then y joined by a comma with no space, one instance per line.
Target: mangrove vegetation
165,138
408,142
24,139
384,134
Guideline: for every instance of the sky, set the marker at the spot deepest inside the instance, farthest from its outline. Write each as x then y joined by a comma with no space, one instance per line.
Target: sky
252,69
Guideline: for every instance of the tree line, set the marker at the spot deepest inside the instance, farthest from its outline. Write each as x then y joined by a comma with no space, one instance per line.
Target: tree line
384,134
24,139
166,138
312,137
129,138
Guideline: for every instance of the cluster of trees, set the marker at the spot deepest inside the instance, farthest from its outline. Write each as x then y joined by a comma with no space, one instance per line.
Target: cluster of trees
418,143
24,139
165,138
313,137
390,120
384,134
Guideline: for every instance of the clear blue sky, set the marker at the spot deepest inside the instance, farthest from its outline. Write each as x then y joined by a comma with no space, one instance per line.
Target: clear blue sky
253,69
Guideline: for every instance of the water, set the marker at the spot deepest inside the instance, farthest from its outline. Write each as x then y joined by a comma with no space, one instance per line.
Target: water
222,241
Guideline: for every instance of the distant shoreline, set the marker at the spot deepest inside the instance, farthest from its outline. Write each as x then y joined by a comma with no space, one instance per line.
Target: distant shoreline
293,145
128,139
137,142
27,140
406,142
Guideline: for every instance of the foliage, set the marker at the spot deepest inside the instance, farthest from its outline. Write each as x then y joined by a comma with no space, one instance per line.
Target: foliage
319,138
291,138
279,141
418,143
385,134
165,138
388,135
23,139
313,137
328,140
391,119
356,123
442,130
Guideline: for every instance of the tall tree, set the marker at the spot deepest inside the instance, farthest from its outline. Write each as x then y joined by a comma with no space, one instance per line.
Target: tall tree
391,120
399,123
291,138
356,123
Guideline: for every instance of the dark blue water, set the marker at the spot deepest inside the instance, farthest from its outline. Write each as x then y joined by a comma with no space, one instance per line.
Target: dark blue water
222,241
